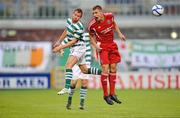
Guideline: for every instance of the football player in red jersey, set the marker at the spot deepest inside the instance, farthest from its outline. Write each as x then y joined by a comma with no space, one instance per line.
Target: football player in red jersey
101,29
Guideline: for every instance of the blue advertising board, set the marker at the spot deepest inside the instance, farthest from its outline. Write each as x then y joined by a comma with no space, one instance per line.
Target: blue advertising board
24,81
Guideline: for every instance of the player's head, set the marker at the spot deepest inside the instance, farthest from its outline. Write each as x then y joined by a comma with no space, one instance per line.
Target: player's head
97,12
77,14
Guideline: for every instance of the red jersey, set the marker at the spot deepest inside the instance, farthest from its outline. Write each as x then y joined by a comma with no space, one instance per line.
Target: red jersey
104,31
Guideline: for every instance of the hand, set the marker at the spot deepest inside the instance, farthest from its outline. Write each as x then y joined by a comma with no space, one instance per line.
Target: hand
122,37
98,48
61,52
57,48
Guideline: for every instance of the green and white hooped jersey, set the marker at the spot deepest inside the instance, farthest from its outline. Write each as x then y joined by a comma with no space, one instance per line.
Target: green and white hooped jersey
75,30
88,53
88,48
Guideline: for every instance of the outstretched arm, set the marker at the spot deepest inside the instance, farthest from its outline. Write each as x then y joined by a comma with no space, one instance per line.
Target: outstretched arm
120,35
61,38
60,47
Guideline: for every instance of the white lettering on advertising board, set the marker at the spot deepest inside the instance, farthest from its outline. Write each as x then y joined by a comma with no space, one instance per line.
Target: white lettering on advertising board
137,80
23,82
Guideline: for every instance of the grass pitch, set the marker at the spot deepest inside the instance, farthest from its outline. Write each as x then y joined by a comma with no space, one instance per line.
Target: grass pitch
47,104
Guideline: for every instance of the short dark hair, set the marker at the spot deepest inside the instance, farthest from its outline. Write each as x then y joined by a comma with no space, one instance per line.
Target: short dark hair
97,7
79,10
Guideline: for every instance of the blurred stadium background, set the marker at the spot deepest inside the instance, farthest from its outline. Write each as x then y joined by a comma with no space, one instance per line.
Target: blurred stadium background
150,56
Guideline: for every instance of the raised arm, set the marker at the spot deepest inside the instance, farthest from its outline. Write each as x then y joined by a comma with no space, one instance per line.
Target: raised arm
61,38
69,44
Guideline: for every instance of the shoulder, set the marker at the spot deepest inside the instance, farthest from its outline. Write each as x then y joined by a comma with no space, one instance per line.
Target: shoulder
91,23
79,25
69,21
109,15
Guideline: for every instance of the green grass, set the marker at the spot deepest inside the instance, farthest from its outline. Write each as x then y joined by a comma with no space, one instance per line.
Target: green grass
46,104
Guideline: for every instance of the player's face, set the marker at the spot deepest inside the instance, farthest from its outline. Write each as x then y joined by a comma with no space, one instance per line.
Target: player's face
76,16
98,15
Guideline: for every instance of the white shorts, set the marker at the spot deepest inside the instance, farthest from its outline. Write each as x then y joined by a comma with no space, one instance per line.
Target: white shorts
79,52
77,74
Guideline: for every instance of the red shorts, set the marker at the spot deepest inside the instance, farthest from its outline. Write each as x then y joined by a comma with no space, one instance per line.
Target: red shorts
109,53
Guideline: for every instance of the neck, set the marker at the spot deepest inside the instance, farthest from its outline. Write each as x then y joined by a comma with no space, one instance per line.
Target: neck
102,18
74,21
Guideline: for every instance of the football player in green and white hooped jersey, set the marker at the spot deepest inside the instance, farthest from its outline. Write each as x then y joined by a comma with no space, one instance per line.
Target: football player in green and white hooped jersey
77,74
74,32
88,48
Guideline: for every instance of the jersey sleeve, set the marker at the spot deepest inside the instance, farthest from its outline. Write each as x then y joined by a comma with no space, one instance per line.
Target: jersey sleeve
109,15
91,31
68,22
64,41
90,27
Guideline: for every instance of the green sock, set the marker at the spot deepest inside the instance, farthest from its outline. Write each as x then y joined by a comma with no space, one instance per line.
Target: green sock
83,92
68,83
94,71
68,77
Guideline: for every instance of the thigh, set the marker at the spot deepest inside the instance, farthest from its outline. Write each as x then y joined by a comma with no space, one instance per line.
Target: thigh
104,57
72,60
82,60
78,51
114,55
